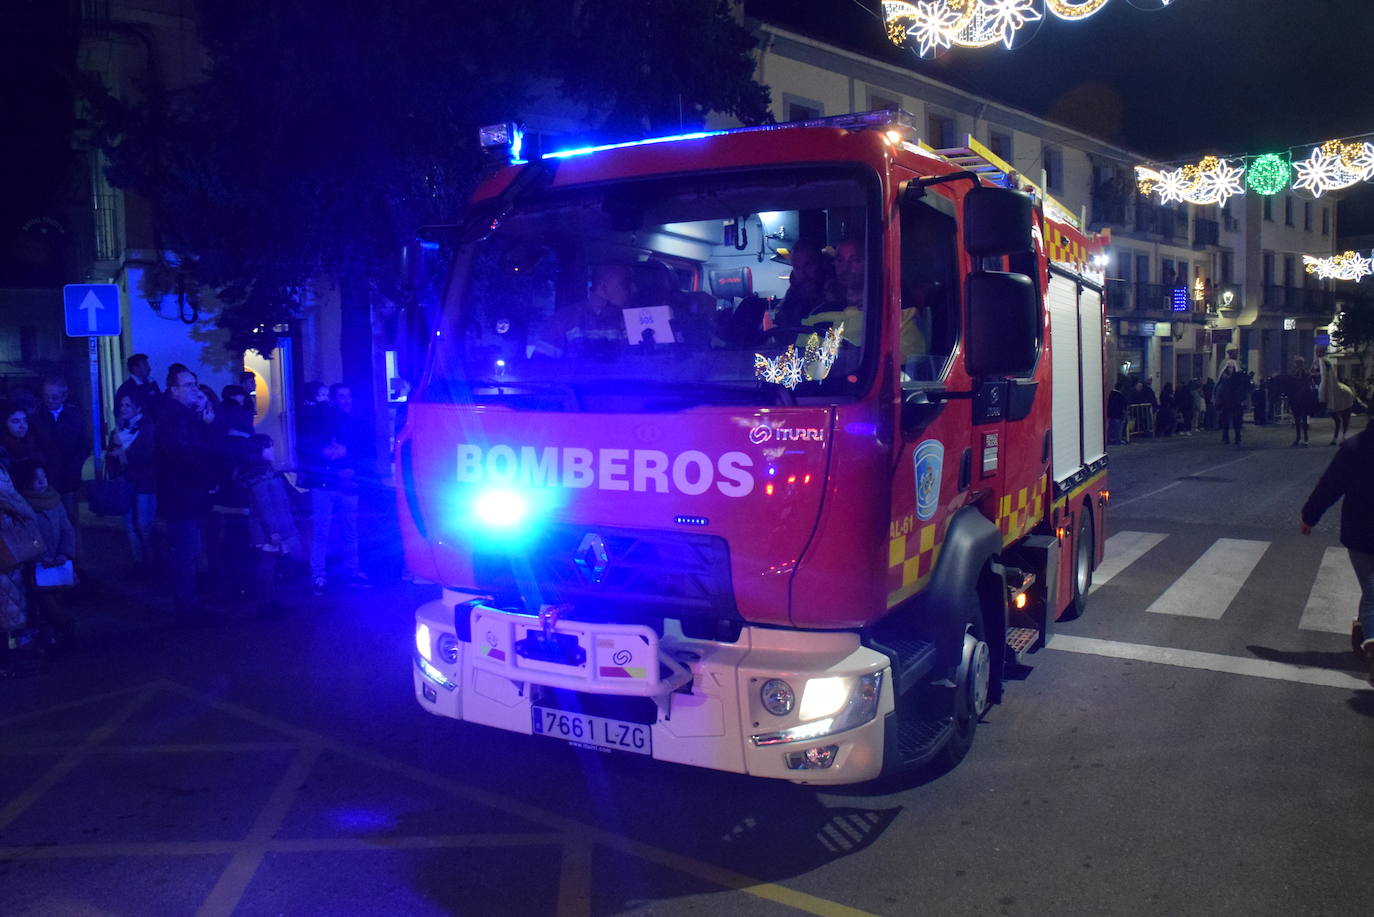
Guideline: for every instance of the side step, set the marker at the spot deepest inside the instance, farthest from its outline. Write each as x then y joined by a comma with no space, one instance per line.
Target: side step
1020,641
919,740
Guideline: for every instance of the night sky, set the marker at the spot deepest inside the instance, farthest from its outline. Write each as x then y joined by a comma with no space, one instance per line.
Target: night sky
1225,76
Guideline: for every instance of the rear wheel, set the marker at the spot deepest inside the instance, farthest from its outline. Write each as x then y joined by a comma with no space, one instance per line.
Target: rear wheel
1083,545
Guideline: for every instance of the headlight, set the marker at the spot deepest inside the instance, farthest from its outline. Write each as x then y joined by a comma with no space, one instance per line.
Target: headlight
823,697
501,509
777,697
423,643
859,705
448,648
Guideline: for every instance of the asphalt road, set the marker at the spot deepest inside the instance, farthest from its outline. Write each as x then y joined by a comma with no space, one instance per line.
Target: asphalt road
1188,752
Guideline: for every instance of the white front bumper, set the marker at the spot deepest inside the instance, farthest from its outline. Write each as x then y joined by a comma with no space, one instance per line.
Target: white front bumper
709,726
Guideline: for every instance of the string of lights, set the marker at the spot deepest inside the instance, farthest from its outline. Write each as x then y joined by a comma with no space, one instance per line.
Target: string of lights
935,24
1330,166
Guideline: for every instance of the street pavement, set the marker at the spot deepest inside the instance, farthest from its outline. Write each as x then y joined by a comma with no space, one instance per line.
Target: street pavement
1199,742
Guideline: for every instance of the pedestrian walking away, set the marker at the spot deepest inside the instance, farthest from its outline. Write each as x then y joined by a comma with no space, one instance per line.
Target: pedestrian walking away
1351,476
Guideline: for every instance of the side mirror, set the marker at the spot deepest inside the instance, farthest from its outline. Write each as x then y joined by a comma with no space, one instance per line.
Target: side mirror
1003,325
997,221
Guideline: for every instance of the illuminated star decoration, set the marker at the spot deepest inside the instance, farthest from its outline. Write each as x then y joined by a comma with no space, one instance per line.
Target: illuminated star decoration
1335,165
1347,266
936,24
1210,181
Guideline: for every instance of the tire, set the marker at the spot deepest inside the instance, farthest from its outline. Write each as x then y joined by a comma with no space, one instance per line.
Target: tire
970,696
1083,546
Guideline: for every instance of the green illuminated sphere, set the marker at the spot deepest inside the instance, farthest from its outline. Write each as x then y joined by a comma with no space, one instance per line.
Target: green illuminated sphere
1269,174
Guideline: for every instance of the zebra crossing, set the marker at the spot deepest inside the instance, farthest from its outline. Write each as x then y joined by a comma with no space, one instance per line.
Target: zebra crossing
1211,583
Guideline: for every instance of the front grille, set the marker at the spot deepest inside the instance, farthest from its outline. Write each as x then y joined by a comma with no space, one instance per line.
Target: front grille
647,576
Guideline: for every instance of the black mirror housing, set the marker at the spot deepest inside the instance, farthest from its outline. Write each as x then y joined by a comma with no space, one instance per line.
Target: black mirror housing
997,221
1003,325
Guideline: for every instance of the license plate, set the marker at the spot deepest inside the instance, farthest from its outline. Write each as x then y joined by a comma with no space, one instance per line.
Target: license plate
616,735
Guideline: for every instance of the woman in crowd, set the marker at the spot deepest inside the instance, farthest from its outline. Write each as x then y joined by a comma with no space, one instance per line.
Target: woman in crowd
16,438
14,510
59,545
131,455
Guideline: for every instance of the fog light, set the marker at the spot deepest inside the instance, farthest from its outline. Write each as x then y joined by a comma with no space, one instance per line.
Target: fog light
448,648
430,694
818,758
777,697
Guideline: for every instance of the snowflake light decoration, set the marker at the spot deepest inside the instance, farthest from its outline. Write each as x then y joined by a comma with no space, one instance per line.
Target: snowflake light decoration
790,368
1210,181
936,24
1347,266
1335,165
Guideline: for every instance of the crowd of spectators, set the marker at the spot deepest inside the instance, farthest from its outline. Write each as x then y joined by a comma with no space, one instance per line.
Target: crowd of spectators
1228,403
197,487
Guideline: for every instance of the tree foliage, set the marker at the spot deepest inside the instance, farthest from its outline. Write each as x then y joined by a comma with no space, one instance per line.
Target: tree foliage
325,133
1353,330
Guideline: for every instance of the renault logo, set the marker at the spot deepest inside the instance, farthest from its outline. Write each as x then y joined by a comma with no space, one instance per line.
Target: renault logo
591,557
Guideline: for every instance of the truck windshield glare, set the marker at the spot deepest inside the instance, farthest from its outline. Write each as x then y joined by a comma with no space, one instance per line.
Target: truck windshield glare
656,295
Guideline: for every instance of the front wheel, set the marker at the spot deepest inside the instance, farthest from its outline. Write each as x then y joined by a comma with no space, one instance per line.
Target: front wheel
971,694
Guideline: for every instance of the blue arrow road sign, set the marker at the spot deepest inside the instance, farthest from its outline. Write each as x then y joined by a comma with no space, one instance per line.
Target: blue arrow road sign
91,309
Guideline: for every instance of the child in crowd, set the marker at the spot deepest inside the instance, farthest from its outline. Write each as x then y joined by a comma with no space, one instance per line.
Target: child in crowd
271,527
59,541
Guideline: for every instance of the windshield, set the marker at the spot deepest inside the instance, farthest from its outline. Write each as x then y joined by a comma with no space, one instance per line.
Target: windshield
657,294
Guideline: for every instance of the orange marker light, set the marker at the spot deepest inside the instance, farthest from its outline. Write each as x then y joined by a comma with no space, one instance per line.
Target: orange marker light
768,489
1021,600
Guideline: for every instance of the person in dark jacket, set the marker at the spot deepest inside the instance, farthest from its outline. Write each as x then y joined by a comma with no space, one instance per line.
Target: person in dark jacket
1351,475
1302,399
65,437
330,456
185,480
1230,394
140,381
131,455
1116,414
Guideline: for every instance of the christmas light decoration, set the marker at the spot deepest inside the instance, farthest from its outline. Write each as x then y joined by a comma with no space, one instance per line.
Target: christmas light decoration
1347,266
1269,174
1210,181
1335,165
790,368
936,24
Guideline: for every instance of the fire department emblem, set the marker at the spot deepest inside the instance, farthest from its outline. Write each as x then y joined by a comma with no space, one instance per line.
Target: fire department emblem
929,461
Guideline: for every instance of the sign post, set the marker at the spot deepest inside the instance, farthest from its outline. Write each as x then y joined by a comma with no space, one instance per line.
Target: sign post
91,311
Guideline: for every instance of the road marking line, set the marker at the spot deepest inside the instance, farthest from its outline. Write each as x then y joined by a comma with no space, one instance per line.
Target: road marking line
233,882
73,704
1207,588
707,872
74,757
1117,504
290,845
1212,662
1335,596
1120,551
180,749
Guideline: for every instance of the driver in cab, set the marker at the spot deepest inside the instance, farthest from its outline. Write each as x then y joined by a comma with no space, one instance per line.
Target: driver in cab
595,324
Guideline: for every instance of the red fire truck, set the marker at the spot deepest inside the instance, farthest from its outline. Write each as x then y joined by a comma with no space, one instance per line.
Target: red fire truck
768,450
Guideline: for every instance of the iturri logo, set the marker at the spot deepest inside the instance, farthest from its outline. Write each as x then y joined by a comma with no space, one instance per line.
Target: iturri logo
760,434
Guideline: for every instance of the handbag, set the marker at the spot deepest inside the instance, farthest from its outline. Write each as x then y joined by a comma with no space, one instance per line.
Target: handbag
59,576
112,497
20,542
